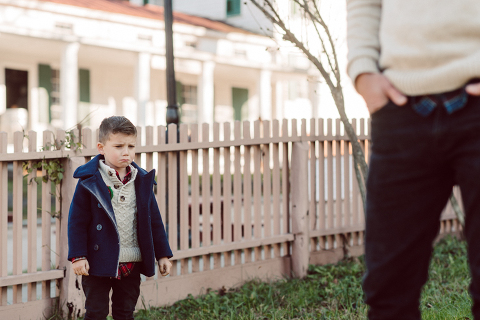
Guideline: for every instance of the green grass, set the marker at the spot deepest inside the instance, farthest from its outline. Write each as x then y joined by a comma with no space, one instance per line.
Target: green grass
328,292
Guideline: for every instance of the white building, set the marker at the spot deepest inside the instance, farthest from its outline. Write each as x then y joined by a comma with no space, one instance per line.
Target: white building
243,14
63,61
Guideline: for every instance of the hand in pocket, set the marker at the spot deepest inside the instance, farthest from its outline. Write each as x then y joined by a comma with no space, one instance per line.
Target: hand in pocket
376,90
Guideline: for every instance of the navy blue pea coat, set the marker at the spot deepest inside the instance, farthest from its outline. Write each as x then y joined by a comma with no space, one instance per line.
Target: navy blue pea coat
92,228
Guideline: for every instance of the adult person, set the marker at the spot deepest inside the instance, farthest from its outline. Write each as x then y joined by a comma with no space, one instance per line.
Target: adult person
416,63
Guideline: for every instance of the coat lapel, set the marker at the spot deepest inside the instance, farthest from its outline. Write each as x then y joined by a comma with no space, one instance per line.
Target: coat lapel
143,188
97,188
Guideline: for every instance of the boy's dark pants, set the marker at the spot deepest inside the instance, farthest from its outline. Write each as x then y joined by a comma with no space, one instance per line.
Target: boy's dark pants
415,162
124,297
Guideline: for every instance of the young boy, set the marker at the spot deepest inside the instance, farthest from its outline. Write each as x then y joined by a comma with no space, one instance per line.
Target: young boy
115,230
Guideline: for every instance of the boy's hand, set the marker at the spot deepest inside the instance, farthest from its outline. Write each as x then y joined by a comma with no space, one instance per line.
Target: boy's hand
376,90
81,267
165,266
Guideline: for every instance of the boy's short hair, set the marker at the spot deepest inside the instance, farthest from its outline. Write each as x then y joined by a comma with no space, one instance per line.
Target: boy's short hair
113,125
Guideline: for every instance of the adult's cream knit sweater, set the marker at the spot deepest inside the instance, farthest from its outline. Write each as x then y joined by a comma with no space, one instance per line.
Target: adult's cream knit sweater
421,46
124,205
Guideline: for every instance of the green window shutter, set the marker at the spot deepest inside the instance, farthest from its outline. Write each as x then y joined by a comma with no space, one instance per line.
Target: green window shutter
233,7
239,100
84,82
237,5
45,86
179,93
83,111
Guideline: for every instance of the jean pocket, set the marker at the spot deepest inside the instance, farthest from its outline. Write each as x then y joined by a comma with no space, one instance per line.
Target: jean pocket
383,109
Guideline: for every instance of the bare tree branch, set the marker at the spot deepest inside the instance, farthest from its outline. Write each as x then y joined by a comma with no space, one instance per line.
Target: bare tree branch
335,70
327,31
361,167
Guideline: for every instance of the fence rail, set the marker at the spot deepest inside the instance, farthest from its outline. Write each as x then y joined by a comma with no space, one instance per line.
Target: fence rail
238,201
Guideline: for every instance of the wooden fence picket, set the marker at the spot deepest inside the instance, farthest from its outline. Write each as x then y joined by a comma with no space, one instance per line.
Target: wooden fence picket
247,189
195,202
330,201
227,195
216,201
3,217
312,211
172,194
276,205
206,226
285,186
17,215
32,217
321,183
237,194
149,142
257,190
267,189
183,182
162,174
47,221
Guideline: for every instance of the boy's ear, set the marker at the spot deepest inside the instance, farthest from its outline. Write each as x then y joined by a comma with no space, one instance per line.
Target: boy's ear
100,148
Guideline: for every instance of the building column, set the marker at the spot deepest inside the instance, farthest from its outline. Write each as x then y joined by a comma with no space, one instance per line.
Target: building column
69,85
142,86
206,94
314,95
265,94
3,90
279,98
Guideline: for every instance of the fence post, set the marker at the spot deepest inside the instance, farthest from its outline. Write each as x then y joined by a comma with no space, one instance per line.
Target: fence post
71,295
300,225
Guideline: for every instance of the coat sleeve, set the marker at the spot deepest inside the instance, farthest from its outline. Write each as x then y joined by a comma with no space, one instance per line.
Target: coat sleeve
363,26
160,241
78,221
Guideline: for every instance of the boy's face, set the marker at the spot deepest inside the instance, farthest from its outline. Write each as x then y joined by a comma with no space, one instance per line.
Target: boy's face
119,150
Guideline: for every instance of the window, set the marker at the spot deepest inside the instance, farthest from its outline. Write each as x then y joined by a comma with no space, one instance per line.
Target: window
16,83
233,7
56,107
188,103
50,107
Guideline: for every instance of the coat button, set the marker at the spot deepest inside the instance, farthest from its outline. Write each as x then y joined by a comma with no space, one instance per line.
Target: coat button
95,247
110,173
100,206
116,186
122,198
99,227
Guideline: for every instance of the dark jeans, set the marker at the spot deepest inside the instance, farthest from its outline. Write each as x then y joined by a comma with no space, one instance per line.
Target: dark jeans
124,297
415,162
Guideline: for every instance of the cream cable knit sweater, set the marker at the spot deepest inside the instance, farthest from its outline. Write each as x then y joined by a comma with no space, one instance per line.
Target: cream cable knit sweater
422,46
125,208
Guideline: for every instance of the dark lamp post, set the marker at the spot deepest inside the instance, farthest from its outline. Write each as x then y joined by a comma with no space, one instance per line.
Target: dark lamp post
172,115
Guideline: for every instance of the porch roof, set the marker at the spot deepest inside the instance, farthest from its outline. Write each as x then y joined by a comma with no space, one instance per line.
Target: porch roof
149,12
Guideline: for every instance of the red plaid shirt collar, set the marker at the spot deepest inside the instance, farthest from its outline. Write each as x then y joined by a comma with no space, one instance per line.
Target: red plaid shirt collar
127,177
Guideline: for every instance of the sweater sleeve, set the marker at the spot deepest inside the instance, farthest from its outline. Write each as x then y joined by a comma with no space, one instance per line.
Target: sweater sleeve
363,25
